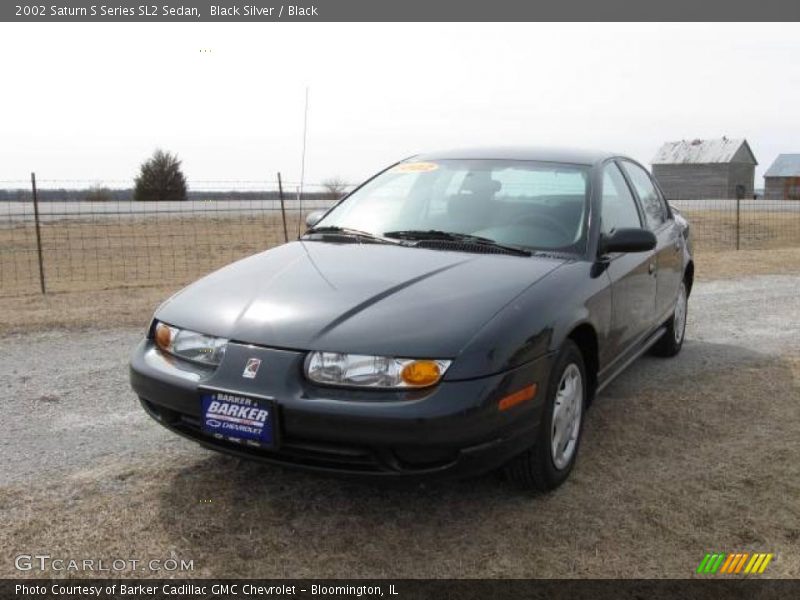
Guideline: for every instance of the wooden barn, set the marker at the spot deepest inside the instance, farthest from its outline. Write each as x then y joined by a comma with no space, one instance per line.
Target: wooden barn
782,179
696,169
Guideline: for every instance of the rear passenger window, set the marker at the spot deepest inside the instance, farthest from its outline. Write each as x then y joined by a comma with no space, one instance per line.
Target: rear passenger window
618,209
654,210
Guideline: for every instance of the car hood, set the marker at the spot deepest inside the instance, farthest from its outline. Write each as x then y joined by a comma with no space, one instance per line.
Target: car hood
358,298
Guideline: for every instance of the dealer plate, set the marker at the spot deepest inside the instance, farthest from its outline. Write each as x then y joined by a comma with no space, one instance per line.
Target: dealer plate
238,418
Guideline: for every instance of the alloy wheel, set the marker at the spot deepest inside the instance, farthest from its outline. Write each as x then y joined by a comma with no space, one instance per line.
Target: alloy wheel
567,414
679,323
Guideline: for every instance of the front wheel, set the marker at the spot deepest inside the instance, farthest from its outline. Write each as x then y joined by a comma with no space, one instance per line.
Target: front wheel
547,464
672,341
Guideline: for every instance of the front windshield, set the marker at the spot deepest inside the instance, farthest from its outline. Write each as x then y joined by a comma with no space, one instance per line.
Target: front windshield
534,205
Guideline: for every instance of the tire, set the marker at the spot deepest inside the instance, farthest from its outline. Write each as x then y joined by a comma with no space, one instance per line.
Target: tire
542,468
672,341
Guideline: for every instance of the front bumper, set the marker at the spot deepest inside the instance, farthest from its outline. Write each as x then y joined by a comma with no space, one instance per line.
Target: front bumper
454,428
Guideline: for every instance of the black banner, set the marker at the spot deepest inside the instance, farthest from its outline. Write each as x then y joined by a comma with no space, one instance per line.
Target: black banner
400,589
409,10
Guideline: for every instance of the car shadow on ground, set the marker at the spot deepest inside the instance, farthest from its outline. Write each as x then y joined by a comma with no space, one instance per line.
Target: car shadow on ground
668,446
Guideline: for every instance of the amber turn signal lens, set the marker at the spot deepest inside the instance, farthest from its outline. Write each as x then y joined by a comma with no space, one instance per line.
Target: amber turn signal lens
523,395
163,336
421,372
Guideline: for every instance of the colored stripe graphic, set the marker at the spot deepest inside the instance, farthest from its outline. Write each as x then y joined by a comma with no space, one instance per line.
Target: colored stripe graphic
703,563
740,564
753,564
711,563
726,565
737,558
734,563
764,564
718,562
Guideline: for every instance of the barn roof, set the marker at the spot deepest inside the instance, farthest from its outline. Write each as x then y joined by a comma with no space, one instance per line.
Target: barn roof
786,165
702,152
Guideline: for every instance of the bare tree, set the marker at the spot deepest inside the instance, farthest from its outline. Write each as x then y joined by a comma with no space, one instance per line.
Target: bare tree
98,193
334,187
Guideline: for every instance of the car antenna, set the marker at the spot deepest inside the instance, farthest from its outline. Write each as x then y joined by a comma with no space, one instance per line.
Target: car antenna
302,168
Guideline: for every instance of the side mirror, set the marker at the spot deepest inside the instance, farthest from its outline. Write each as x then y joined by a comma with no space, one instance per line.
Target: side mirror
313,218
627,240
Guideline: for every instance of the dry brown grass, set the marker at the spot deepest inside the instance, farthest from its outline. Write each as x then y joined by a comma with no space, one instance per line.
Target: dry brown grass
716,229
118,307
117,270
133,306
662,479
165,251
727,264
109,252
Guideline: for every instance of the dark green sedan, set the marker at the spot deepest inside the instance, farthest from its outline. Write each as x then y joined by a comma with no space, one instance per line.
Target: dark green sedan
455,314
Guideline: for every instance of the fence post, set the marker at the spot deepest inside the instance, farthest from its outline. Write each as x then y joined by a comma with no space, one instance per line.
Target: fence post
283,209
38,233
738,220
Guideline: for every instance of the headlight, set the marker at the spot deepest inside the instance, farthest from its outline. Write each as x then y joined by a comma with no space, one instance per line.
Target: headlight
190,345
358,370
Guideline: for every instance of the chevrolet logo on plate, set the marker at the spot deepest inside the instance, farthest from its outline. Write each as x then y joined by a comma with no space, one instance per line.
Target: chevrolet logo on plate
251,368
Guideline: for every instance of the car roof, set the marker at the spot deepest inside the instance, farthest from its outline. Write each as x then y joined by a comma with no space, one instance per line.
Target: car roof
544,154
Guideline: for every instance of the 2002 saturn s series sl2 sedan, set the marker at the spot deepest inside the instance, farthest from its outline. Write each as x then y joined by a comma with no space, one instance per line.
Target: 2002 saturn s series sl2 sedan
456,313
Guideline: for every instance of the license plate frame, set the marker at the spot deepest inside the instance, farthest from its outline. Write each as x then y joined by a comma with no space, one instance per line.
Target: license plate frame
246,425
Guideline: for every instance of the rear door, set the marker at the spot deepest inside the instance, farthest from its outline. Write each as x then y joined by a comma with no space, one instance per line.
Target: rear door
669,248
633,282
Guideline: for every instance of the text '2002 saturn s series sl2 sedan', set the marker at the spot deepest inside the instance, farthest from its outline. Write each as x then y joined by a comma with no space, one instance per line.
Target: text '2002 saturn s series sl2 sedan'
454,314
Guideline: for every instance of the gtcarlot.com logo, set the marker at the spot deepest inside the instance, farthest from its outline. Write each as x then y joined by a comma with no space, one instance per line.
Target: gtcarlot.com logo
736,563
45,562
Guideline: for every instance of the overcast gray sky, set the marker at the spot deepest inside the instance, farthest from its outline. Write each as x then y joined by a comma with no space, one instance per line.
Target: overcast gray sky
91,101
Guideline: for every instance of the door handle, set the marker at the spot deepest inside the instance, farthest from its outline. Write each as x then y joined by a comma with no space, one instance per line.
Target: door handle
651,268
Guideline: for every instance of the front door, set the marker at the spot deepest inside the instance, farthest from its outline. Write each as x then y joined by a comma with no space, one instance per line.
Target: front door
669,247
632,274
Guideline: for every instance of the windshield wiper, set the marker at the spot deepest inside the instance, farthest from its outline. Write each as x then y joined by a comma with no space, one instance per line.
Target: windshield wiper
346,231
436,235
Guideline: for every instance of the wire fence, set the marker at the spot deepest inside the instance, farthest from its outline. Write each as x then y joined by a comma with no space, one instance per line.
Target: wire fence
82,235
746,224
89,236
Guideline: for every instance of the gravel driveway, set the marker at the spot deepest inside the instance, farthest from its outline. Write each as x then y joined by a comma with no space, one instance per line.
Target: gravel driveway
679,456
73,409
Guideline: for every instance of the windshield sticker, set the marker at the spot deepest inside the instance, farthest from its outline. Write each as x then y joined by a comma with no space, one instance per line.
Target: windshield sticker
415,167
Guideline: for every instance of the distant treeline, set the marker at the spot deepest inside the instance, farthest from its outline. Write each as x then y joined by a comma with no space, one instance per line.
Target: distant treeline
102,194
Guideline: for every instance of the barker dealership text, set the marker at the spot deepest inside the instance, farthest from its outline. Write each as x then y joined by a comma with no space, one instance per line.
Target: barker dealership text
189,589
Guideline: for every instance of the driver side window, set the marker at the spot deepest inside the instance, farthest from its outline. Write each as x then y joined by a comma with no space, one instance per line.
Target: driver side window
654,210
618,208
